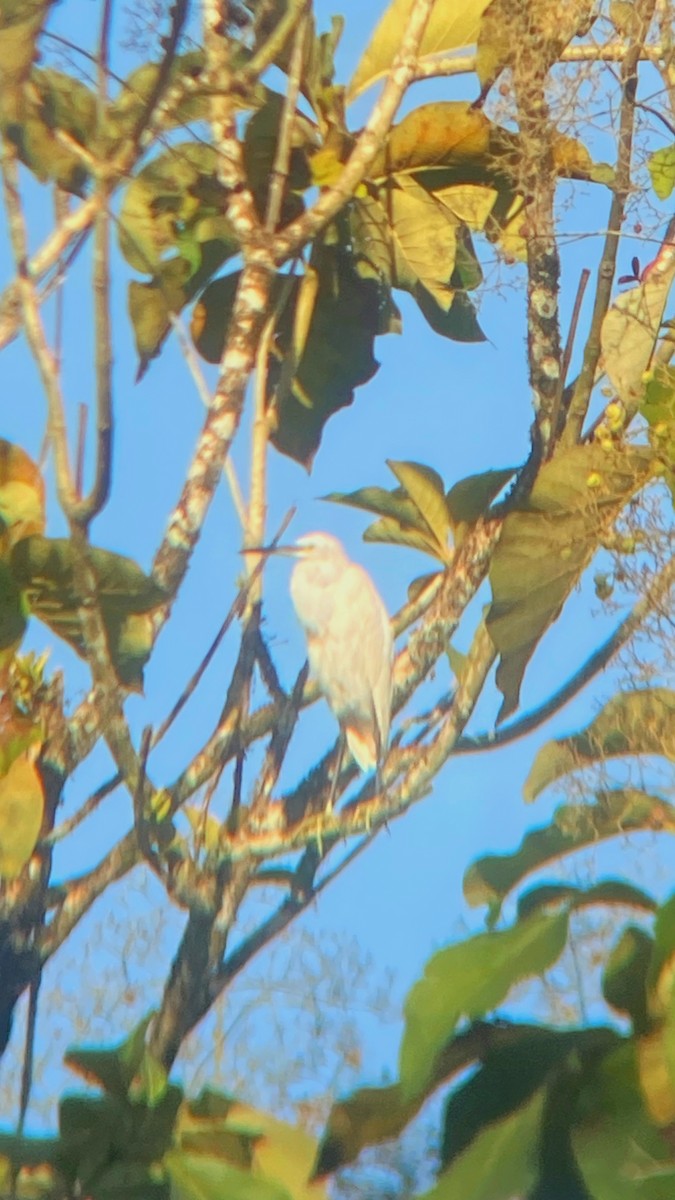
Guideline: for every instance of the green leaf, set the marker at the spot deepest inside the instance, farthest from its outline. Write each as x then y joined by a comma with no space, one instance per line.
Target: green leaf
606,891
470,498
202,1177
22,496
619,1150
661,166
20,25
499,1163
111,1067
508,1078
546,544
190,101
459,322
448,28
423,236
395,504
55,102
394,533
574,826
465,981
641,722
175,194
12,614
625,975
338,351
22,803
658,409
44,568
426,490
261,140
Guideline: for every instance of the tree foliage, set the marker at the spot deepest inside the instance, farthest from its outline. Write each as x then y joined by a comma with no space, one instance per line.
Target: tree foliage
290,234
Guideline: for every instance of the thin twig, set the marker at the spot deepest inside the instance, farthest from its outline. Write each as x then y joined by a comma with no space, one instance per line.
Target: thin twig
571,435
282,156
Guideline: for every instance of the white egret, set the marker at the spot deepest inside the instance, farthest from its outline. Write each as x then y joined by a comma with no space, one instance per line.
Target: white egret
349,642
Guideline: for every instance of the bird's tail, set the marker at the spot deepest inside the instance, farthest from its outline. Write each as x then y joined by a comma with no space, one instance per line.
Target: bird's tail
363,745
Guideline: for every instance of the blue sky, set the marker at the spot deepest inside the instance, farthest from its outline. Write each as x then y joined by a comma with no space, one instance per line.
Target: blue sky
461,409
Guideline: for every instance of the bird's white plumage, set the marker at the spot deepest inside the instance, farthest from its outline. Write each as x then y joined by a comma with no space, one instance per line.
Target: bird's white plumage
349,642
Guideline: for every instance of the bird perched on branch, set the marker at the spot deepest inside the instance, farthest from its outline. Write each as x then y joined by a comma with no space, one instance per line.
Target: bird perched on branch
349,642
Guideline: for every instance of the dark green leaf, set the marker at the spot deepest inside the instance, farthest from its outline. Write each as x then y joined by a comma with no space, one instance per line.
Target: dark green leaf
508,1078
606,891
624,980
467,981
499,1163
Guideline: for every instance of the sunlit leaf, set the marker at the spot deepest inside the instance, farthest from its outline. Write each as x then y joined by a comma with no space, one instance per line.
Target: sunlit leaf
205,1177
574,826
426,490
468,980
631,327
22,494
424,239
662,171
55,102
508,28
20,24
445,134
641,722
546,544
449,28
21,811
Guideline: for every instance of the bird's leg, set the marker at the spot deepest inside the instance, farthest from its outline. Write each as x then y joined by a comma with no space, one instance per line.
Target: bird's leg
336,773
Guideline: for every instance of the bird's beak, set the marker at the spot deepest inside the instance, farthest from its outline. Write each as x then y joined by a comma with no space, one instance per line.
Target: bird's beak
271,550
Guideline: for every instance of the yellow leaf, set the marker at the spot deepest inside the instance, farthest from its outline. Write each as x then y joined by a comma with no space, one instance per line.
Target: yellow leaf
443,134
21,809
451,26
22,494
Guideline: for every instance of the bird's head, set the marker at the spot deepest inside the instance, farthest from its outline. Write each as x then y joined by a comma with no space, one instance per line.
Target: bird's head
317,547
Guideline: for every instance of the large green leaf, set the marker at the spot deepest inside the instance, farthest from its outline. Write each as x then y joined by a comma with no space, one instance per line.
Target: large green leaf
468,980
508,1077
547,542
620,1152
500,1163
641,722
44,570
336,357
424,239
532,28
450,27
469,499
408,512
574,826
